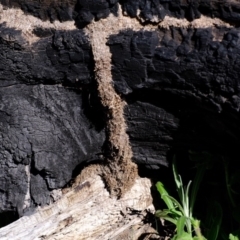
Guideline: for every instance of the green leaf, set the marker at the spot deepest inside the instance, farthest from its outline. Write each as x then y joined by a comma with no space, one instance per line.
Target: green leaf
178,205
164,195
175,173
232,237
178,181
180,225
195,187
186,202
165,213
196,226
184,236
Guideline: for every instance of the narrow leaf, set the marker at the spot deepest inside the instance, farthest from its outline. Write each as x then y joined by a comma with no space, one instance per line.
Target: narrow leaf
175,173
164,195
186,201
180,225
178,205
164,213
195,187
184,236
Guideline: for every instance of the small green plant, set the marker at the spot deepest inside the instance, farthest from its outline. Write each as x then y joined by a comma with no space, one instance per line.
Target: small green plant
181,213
213,225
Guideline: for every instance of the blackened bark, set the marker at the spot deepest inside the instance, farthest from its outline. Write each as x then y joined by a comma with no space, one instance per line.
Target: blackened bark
84,11
156,10
181,86
47,115
182,90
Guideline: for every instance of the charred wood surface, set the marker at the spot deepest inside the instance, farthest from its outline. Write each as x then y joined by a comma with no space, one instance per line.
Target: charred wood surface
110,82
182,88
47,115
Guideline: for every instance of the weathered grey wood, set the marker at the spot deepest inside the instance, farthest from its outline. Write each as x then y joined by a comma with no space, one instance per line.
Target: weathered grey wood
86,211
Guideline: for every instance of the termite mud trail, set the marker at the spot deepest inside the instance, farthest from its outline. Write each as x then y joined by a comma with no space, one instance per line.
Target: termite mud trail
119,171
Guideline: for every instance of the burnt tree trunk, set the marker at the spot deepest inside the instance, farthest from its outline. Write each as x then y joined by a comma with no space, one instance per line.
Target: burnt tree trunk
120,85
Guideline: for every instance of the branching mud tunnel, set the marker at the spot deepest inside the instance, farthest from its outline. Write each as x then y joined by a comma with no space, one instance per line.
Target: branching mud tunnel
94,94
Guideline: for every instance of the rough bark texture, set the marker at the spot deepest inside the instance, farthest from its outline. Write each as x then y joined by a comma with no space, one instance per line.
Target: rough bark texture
182,89
47,114
84,11
121,84
156,10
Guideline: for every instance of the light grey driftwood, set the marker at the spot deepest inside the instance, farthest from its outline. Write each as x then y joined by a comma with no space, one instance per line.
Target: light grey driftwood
86,211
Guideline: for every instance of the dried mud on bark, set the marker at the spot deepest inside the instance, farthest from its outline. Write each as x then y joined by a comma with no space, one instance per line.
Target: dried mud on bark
119,172
108,217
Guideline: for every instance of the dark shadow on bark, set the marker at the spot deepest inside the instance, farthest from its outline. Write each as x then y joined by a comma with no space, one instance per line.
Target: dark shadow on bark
8,217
